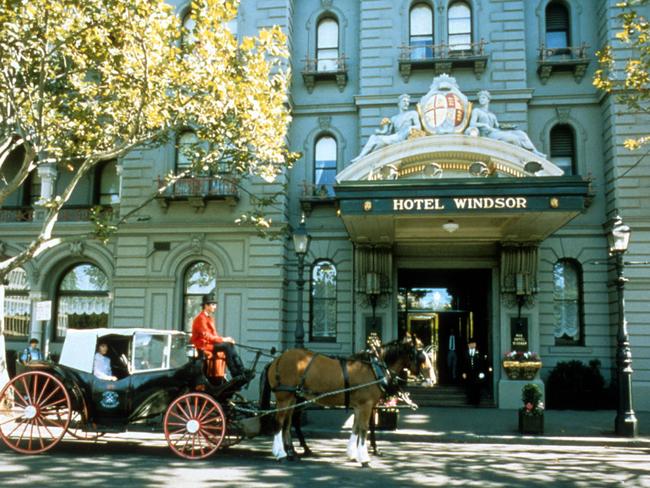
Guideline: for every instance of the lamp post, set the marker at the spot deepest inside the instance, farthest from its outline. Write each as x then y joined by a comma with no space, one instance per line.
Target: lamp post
301,246
626,424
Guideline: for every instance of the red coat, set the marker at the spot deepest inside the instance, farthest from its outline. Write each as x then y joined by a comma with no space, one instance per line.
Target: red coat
204,334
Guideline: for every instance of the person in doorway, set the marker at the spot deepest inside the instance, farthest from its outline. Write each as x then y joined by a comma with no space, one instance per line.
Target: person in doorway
473,373
207,340
31,352
102,364
452,356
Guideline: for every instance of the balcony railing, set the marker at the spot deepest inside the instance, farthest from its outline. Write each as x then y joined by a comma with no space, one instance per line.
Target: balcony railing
197,191
442,57
16,214
570,58
325,69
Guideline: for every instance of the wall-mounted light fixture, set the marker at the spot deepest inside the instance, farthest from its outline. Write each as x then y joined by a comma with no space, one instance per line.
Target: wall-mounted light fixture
450,226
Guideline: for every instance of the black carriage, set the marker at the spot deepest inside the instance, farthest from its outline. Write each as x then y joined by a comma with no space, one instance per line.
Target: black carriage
161,386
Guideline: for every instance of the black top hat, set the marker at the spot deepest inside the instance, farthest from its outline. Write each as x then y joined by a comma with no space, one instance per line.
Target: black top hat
208,299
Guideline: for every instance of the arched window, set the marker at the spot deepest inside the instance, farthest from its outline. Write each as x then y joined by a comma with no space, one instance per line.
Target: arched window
557,27
567,302
109,184
185,147
323,301
83,299
17,313
421,31
563,148
325,165
327,44
199,279
459,27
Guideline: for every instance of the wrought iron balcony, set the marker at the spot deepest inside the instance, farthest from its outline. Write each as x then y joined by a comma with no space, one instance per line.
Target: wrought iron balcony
325,69
16,214
570,58
197,191
442,58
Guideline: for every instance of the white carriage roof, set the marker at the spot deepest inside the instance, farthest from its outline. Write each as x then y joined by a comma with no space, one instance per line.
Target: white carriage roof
79,345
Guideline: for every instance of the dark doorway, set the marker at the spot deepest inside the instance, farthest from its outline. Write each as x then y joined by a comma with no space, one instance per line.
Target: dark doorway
436,303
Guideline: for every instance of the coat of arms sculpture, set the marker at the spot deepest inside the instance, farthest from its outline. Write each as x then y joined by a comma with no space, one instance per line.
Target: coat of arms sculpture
444,109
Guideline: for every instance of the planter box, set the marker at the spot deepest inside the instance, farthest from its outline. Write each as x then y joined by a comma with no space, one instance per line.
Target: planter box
521,370
531,424
386,419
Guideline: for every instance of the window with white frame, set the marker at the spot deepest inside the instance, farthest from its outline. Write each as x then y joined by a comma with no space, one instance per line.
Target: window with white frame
323,301
82,299
199,279
17,311
567,302
459,26
325,155
327,44
421,31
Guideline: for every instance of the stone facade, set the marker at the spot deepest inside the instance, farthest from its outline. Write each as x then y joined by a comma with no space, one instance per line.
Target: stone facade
256,278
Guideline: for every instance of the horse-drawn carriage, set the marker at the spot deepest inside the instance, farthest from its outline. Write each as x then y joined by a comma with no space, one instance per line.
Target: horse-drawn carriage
161,386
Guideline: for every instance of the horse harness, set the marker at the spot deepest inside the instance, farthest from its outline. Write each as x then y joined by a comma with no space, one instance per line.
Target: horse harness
379,368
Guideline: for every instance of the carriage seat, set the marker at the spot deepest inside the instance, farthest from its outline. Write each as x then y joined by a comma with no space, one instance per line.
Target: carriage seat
215,367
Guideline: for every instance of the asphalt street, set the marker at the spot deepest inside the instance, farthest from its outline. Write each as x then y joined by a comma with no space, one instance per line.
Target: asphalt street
145,461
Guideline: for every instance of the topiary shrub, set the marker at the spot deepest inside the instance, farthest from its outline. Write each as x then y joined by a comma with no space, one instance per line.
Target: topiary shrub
573,385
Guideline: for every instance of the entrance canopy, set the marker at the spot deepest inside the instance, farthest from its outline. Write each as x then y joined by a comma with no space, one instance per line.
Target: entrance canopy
485,209
493,191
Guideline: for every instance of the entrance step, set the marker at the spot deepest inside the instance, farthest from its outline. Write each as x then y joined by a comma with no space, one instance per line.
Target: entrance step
443,396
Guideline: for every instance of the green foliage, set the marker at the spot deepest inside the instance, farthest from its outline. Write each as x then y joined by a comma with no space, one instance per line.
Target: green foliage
531,396
625,67
86,81
573,385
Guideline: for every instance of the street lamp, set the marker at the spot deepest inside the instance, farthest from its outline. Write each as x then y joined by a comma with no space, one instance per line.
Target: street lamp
301,245
626,425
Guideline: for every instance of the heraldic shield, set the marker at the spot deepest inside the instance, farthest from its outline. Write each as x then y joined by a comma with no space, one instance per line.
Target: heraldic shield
444,109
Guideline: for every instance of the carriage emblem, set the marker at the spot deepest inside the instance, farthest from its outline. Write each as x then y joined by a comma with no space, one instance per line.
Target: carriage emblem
110,399
444,109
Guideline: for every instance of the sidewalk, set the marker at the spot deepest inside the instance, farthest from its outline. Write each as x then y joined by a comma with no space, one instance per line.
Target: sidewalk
486,425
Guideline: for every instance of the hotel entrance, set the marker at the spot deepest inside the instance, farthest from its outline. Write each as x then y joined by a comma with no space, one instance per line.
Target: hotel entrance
444,308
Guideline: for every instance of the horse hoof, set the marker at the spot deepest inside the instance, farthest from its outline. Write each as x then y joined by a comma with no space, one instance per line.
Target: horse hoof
308,453
365,465
283,460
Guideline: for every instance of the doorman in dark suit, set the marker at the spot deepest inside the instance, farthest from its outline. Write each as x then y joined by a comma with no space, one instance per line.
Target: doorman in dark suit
473,373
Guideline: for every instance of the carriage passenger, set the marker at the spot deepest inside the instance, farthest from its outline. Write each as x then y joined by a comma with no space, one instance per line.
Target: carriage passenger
206,339
102,364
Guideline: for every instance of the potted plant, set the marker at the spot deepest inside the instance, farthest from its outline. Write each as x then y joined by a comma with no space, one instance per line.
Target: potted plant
521,365
387,414
531,415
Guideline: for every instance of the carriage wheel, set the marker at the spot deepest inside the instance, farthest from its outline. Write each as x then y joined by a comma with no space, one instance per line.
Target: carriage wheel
195,426
35,412
76,428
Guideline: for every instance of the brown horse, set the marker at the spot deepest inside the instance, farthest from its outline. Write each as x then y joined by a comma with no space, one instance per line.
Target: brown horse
368,377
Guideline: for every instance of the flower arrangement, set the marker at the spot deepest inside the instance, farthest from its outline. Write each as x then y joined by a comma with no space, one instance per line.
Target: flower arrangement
531,395
521,356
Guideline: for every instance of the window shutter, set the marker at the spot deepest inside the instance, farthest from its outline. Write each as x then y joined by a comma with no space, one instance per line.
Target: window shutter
557,18
562,141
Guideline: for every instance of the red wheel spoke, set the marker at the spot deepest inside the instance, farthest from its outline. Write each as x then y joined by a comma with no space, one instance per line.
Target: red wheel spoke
40,437
187,415
42,391
174,432
31,436
38,420
212,409
19,424
19,397
18,415
184,419
45,405
29,398
176,423
192,413
199,415
34,385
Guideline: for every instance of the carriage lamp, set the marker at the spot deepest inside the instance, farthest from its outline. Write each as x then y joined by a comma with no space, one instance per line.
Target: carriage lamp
301,245
618,239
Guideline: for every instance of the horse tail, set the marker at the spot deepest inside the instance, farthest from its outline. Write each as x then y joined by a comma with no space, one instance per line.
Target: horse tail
267,420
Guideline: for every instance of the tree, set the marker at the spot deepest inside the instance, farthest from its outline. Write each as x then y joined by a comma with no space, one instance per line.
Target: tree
628,77
86,81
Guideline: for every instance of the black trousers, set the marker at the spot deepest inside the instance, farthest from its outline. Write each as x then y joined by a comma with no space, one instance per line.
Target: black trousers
233,361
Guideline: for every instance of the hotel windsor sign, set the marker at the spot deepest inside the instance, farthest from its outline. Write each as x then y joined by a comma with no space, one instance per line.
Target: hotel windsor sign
459,203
